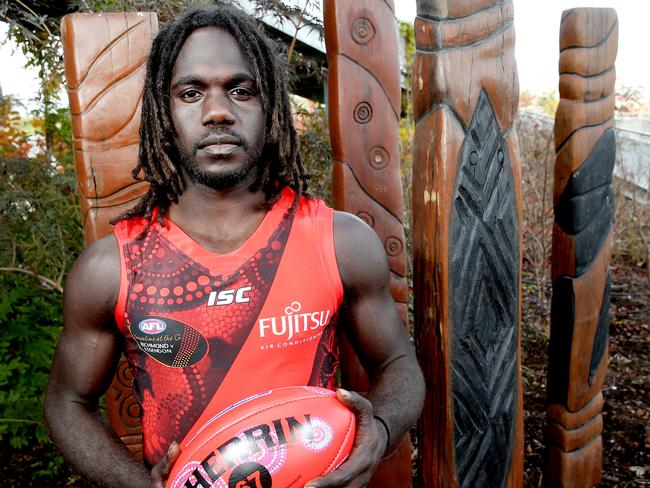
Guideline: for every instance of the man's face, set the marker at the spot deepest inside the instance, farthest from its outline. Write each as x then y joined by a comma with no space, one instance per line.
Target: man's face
216,111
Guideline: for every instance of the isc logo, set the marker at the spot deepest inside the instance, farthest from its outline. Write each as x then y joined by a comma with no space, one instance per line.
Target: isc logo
152,326
226,297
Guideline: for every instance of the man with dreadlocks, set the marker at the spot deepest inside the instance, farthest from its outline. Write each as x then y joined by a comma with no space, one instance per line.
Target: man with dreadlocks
226,278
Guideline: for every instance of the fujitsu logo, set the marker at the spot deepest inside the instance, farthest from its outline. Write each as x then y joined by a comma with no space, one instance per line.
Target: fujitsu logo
293,322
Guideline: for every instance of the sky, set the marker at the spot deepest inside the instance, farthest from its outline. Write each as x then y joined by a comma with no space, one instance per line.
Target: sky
14,78
537,27
536,48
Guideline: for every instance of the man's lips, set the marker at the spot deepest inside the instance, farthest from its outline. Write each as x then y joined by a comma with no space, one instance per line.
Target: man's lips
219,140
219,145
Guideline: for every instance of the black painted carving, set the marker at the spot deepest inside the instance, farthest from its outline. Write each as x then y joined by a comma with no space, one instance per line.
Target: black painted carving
586,207
596,170
576,213
559,347
602,332
559,350
483,276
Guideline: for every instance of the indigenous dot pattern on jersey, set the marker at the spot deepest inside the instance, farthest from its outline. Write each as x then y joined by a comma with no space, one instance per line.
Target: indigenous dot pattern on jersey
164,279
326,361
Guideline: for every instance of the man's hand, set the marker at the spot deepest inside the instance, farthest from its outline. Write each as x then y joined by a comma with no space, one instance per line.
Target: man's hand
160,472
369,447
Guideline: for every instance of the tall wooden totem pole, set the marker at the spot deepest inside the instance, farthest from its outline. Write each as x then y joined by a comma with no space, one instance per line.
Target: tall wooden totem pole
105,56
582,244
364,107
467,239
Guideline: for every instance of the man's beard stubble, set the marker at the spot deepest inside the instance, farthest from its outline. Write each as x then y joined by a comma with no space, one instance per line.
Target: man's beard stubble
220,180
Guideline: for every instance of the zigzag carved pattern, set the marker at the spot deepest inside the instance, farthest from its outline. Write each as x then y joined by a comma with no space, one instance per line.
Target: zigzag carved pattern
484,270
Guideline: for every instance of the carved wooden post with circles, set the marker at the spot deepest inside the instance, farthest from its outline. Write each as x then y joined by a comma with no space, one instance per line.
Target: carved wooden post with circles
105,56
467,241
582,244
364,107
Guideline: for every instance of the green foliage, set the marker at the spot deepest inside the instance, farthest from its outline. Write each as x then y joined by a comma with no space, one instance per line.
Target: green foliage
406,133
30,321
40,235
54,128
407,33
166,9
314,142
548,102
40,228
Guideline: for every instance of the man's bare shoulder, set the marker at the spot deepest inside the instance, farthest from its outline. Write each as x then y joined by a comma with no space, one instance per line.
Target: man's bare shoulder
102,256
360,255
93,284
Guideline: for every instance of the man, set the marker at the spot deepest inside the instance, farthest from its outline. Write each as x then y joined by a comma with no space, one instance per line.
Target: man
225,279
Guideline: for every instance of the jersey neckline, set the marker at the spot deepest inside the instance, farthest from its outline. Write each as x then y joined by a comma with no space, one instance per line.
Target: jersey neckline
258,239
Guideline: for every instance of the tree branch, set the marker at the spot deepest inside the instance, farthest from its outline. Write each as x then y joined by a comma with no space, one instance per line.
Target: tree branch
35,15
51,284
295,36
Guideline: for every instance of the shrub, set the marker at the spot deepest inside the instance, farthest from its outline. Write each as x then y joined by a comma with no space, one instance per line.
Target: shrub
40,235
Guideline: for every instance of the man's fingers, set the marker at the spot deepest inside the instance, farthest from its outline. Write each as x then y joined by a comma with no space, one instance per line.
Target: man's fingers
355,402
356,471
172,454
160,471
362,409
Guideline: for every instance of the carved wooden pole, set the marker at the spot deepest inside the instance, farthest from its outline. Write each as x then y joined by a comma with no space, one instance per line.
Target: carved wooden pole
105,57
364,107
582,245
467,239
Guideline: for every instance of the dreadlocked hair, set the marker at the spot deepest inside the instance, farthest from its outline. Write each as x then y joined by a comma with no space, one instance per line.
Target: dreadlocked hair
158,159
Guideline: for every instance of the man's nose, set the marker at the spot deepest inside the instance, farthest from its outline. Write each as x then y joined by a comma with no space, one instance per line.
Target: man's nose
217,109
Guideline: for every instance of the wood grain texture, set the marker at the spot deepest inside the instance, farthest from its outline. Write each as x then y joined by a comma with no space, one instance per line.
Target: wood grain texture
123,410
583,200
452,9
364,107
105,56
467,244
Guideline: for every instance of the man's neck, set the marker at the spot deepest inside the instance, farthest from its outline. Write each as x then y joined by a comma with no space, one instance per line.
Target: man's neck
219,220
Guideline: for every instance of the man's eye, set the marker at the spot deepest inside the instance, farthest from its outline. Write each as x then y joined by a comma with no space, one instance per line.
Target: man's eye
241,92
189,94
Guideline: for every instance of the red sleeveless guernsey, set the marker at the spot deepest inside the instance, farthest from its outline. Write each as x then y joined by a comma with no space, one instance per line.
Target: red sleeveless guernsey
205,330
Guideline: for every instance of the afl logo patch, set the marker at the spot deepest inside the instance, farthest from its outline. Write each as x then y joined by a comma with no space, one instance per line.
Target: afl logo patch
152,326
169,341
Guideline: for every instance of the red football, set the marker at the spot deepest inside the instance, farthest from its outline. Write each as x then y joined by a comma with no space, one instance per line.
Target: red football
281,438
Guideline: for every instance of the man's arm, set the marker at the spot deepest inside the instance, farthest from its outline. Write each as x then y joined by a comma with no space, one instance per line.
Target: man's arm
377,334
84,364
